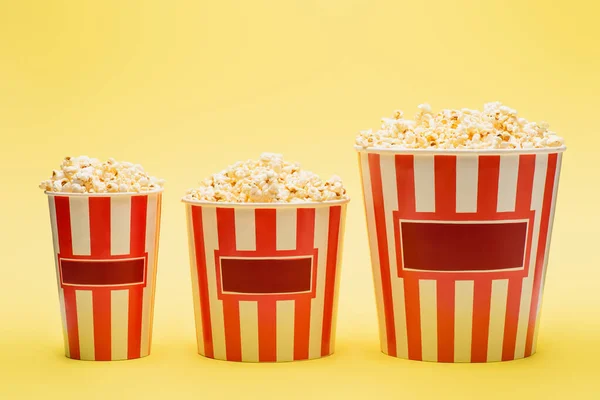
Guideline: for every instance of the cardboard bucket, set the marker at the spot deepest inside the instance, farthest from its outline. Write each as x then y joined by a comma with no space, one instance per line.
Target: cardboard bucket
106,248
459,247
265,279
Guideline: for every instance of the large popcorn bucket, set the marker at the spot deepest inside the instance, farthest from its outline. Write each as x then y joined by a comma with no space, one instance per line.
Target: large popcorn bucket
459,247
265,278
106,248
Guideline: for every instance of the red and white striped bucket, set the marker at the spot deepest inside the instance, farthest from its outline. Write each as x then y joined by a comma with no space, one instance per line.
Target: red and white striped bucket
459,248
106,247
265,279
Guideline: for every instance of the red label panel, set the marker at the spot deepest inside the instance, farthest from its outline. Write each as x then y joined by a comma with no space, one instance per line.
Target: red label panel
266,275
461,246
103,272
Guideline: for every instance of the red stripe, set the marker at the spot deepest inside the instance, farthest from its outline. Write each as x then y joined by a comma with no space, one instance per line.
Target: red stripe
101,298
266,230
202,280
72,326
541,251
233,335
301,328
445,319
156,240
487,186
267,330
63,227
445,185
305,229
487,203
413,318
405,182
482,298
226,229
305,238
231,309
525,182
100,226
102,324
445,205
330,277
513,304
384,262
266,242
515,285
139,208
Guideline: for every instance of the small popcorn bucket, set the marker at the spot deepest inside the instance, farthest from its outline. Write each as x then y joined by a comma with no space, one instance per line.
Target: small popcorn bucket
459,247
106,248
265,278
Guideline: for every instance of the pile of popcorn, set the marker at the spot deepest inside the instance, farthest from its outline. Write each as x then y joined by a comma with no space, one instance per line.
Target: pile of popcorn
496,127
89,175
269,179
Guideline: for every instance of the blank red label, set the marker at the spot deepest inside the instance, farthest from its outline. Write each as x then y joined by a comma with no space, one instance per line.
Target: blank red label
102,272
264,275
463,246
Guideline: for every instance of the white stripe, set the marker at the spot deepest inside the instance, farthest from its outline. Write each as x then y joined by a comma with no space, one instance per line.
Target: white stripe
80,225
61,293
195,281
63,318
245,229
507,182
390,201
497,319
428,300
539,177
285,330
463,321
546,253
249,330
424,183
209,222
119,324
120,225
539,180
369,211
151,226
54,226
466,183
317,304
338,274
85,324
286,228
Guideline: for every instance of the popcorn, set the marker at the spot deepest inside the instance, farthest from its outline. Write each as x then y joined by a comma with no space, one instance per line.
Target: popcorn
269,179
496,127
89,175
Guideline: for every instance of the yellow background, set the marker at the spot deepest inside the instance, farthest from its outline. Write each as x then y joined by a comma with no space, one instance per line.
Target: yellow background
186,88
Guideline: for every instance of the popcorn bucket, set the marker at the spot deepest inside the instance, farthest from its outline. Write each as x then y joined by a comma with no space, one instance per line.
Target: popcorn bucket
265,278
459,247
106,247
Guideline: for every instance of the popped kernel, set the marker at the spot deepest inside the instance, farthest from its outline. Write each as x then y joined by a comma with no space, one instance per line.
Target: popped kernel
88,175
496,127
269,179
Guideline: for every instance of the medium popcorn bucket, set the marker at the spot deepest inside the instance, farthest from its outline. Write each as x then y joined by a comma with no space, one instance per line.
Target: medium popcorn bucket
106,248
459,247
265,279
